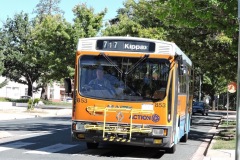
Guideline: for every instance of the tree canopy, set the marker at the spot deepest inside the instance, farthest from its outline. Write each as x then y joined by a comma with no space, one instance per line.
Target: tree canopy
207,31
20,53
43,49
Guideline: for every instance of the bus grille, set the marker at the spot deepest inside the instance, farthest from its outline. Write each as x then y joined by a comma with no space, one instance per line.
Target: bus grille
127,129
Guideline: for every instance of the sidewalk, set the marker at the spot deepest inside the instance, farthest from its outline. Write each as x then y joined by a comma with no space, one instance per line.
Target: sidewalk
8,113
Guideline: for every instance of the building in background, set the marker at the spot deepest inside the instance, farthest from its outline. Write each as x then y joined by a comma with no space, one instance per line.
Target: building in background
54,92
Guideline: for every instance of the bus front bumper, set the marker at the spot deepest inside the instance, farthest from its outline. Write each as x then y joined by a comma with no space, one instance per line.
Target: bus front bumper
136,140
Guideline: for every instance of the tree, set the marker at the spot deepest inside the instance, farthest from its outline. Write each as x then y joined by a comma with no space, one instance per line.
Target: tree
1,55
20,54
205,30
136,20
58,39
208,31
43,50
54,36
48,7
86,22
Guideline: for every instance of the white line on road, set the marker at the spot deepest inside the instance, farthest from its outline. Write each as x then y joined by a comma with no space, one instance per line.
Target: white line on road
51,149
35,134
14,145
201,120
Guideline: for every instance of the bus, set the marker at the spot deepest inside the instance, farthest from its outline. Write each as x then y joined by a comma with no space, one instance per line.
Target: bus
131,91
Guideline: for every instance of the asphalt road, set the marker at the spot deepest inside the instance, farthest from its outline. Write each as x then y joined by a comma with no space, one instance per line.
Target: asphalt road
50,138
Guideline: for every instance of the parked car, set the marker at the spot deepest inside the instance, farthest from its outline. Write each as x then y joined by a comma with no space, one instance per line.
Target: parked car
25,97
69,99
200,107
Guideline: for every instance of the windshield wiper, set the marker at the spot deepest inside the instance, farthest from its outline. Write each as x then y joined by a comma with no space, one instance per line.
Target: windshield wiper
137,63
112,63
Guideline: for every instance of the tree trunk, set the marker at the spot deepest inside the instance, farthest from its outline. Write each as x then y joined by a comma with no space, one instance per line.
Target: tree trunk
30,89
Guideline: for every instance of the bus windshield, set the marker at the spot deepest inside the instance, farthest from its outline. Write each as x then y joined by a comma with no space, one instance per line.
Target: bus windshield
123,78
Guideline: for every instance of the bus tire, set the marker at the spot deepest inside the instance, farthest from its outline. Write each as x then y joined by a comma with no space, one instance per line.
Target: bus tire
171,150
184,138
91,145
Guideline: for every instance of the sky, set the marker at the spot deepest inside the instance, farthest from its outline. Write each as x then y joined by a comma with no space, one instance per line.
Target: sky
8,8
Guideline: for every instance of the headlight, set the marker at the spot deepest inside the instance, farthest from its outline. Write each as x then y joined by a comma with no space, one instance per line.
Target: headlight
80,126
159,132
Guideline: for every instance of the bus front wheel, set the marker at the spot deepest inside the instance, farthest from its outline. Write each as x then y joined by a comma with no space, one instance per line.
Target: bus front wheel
172,149
184,138
92,145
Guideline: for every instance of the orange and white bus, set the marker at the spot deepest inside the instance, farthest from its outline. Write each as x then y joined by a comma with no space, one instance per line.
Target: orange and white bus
131,91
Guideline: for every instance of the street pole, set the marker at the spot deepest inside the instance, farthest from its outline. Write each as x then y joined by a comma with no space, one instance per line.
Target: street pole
227,106
200,83
237,153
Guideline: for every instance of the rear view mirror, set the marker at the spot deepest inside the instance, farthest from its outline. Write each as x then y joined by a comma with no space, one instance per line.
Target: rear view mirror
67,85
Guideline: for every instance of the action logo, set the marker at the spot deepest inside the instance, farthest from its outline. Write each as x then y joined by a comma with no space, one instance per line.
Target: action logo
155,118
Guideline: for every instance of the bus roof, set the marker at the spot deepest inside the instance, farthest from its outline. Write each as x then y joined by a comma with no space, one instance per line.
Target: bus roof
161,47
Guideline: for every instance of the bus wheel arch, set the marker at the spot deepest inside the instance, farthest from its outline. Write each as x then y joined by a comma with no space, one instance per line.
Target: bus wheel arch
91,145
184,138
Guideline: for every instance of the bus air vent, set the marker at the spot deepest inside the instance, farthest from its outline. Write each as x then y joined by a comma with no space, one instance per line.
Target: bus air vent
86,45
163,48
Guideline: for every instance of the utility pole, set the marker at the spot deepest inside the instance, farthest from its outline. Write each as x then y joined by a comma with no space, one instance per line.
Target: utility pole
237,153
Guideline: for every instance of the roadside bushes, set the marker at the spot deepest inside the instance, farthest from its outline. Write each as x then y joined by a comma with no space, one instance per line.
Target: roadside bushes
14,100
32,103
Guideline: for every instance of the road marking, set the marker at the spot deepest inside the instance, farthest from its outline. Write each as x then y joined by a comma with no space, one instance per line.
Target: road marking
14,145
51,149
201,120
63,128
36,134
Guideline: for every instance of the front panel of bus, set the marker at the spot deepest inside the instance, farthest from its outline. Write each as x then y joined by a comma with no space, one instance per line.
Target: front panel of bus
128,95
134,106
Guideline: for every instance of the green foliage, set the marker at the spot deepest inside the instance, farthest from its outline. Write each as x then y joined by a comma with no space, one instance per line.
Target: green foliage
54,36
58,40
20,54
4,99
1,56
136,20
86,23
222,144
226,137
46,7
15,100
43,50
32,102
207,31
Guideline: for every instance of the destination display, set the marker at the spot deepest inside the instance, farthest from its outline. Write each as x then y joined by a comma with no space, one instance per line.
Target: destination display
125,45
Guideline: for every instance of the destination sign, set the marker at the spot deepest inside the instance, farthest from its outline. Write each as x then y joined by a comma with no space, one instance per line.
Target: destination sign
125,45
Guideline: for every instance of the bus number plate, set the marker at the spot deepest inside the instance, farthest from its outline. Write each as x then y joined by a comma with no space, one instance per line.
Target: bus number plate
82,100
163,105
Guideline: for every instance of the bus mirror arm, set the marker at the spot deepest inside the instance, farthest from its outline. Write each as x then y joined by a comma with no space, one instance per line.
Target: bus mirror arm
179,59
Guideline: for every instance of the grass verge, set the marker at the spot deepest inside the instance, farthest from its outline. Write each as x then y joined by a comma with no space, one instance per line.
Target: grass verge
223,144
226,138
